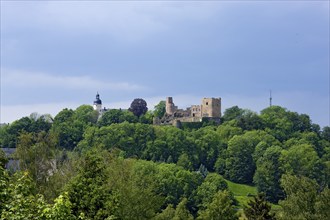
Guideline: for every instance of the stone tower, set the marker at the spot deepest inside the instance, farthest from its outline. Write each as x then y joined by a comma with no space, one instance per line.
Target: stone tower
211,107
97,105
170,107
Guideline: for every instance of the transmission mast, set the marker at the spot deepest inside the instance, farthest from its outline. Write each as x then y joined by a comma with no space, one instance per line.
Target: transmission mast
270,98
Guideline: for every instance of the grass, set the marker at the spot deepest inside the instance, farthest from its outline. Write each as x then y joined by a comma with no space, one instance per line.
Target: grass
243,194
241,189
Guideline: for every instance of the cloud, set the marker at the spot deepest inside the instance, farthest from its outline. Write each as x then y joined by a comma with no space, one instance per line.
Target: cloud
24,79
126,21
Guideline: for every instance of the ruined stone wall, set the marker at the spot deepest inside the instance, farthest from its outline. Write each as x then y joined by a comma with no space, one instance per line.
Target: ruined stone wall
191,119
196,111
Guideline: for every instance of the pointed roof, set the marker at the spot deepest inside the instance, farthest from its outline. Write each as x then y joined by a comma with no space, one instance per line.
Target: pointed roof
97,100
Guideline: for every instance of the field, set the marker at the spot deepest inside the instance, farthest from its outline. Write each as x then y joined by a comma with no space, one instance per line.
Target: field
243,193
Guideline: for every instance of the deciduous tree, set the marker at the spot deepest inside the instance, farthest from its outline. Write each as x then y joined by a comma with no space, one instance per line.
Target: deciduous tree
160,109
268,174
206,191
138,107
181,211
221,208
240,165
301,195
232,113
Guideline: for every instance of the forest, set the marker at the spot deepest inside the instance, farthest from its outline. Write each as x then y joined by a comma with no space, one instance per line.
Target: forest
121,166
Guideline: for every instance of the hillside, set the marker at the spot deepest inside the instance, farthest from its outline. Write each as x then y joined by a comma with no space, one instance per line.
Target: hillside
122,166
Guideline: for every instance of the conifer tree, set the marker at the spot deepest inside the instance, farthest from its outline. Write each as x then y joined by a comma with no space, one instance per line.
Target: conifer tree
258,209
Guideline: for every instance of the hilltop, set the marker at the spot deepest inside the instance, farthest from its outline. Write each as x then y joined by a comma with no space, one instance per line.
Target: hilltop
102,167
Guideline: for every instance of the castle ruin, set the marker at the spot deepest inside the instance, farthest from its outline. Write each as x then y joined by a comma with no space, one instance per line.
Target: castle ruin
210,108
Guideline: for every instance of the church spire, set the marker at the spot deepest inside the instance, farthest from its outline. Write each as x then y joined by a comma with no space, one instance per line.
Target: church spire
98,100
97,105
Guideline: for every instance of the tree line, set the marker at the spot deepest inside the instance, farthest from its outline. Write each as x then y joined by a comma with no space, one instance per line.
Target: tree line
122,167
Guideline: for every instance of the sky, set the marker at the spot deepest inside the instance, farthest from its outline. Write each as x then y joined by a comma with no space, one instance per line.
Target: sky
59,54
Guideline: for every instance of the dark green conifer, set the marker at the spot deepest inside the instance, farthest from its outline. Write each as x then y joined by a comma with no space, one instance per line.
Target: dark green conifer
258,209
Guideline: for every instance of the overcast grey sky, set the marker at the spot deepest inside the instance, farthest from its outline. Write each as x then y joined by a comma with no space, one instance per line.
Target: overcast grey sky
58,54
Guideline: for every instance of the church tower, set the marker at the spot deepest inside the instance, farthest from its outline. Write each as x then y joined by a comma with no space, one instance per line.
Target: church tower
97,103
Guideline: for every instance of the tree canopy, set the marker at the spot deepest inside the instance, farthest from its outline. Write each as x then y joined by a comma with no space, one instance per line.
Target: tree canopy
82,165
138,107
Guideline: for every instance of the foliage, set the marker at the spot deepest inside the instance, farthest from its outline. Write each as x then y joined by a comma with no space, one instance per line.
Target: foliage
208,145
250,121
146,118
258,209
191,125
240,166
166,214
21,203
4,181
168,141
119,166
181,211
301,196
227,131
184,162
67,166
61,210
326,133
116,116
36,154
173,183
221,208
70,125
232,113
88,192
86,114
131,138
3,158
160,109
138,107
211,185
268,174
322,205
302,160
134,188
35,123
282,123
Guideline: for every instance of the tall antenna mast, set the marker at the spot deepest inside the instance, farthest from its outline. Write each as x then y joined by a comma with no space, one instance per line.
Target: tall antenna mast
270,99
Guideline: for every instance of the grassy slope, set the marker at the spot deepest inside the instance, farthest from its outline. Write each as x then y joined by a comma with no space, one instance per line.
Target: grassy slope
241,192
